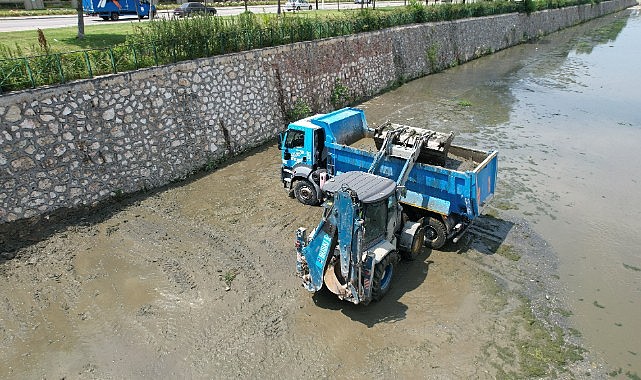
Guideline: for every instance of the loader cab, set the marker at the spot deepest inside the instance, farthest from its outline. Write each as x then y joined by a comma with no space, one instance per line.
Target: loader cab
375,221
378,203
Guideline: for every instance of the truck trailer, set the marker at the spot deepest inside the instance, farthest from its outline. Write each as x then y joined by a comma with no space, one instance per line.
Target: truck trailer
113,9
446,189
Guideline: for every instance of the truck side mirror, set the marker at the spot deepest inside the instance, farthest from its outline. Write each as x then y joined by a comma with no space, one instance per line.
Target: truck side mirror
281,136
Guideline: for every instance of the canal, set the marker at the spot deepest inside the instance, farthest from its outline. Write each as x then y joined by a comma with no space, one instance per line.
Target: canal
565,114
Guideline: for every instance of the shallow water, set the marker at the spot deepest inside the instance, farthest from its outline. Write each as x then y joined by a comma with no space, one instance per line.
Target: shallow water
565,114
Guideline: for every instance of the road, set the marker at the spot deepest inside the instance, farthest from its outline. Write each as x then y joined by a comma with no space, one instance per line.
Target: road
12,24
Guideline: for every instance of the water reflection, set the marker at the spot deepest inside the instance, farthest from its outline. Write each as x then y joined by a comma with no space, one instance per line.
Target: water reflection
564,113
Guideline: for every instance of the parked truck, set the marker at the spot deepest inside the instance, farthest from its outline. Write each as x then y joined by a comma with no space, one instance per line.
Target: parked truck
446,189
113,9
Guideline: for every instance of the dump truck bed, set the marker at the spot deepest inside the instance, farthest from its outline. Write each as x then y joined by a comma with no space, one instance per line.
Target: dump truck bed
343,126
461,185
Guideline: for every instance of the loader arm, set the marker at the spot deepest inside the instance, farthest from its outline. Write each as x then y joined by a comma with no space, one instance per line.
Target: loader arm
313,255
341,227
396,144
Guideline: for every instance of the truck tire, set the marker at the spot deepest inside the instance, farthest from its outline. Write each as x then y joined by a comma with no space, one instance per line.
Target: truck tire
305,192
310,7
114,16
435,233
417,245
383,274
298,8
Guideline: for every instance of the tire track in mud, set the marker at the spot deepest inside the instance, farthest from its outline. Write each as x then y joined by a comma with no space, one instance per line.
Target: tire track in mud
180,249
38,319
253,316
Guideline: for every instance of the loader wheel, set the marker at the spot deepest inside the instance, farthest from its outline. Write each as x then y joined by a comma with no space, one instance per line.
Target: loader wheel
383,274
305,192
435,233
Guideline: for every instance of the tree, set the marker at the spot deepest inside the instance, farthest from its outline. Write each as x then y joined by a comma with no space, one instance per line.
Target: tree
81,20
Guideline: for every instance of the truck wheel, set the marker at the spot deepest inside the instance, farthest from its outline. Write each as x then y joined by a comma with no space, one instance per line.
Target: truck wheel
417,245
435,233
383,274
114,16
305,192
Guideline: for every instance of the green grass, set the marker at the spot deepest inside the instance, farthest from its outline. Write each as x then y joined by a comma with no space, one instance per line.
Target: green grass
534,348
230,276
508,252
64,39
100,36
36,12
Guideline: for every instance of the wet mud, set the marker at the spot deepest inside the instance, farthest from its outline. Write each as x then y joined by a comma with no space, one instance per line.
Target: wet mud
198,280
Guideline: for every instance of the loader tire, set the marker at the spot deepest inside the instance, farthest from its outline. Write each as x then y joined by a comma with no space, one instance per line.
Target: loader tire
383,274
435,233
305,192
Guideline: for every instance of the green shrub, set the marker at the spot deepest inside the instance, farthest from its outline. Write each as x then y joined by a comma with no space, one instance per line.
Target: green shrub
166,41
340,94
300,111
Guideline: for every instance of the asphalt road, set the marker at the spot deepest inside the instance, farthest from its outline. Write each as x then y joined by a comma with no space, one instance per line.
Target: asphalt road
10,24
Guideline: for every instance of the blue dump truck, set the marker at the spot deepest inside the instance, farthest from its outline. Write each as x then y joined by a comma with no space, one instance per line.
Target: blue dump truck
445,189
113,9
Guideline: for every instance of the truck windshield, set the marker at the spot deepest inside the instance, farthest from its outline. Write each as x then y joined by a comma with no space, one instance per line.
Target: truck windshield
295,139
375,222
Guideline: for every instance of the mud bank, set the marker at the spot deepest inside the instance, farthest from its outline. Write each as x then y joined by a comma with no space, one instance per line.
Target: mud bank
197,280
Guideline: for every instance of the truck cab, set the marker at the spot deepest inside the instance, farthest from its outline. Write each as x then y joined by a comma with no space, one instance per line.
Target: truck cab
304,149
303,160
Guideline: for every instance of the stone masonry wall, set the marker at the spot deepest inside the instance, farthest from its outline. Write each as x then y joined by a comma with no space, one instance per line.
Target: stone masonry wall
83,142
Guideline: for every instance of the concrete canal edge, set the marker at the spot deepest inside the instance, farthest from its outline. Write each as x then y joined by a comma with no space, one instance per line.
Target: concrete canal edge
85,142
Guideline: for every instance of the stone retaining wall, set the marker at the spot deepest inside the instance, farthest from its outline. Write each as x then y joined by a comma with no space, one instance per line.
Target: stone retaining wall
80,143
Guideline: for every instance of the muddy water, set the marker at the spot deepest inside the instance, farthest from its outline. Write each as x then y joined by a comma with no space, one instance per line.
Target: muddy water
564,113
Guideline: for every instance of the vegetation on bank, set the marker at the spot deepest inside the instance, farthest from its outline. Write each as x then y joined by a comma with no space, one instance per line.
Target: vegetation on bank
173,40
